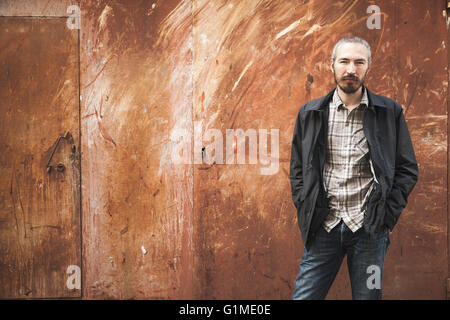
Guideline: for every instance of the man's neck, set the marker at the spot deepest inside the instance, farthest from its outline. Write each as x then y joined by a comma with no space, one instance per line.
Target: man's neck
351,100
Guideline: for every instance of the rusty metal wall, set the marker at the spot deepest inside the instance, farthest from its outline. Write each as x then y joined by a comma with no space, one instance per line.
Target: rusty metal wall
161,82
417,263
245,221
39,208
136,90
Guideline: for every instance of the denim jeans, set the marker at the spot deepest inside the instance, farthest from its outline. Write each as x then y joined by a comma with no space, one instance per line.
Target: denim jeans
321,262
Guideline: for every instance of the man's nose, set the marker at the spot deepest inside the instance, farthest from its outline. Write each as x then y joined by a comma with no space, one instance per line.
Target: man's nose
351,68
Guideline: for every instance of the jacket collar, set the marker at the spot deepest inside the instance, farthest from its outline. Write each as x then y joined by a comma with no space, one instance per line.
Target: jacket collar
321,103
375,99
337,102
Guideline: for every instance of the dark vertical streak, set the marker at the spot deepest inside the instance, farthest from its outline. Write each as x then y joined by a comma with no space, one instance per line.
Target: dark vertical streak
14,205
448,146
414,89
21,207
79,162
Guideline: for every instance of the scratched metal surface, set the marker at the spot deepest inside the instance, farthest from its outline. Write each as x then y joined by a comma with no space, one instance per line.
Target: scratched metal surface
35,8
156,224
39,210
255,64
136,96
417,264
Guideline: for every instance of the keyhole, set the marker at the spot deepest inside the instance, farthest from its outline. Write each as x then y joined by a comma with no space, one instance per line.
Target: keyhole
60,167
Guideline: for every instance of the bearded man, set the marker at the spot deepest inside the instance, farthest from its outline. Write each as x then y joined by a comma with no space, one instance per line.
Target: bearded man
352,169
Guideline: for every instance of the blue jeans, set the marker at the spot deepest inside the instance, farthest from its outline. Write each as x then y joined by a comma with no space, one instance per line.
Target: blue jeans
321,262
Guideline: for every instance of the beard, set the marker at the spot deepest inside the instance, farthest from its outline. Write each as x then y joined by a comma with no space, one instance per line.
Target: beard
349,87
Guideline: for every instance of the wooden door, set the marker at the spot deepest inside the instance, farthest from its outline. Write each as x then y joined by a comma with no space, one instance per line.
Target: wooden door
40,245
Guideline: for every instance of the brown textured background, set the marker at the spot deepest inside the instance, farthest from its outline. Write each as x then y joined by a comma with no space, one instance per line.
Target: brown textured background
152,228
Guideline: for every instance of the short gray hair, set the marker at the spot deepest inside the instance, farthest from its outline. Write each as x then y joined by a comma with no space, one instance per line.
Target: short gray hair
351,40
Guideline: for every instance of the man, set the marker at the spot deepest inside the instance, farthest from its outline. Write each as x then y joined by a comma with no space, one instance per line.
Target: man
352,169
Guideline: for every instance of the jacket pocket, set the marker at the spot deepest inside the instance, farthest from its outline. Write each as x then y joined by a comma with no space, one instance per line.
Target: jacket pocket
300,205
298,200
374,213
391,172
302,195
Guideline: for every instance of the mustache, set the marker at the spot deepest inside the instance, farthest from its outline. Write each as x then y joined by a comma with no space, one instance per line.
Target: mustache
350,78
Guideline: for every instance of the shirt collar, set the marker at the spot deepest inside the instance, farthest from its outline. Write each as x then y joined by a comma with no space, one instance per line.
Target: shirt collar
337,102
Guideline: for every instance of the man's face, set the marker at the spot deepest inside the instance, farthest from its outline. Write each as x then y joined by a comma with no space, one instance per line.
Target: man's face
350,66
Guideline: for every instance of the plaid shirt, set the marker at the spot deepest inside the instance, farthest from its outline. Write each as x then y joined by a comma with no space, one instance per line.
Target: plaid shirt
348,172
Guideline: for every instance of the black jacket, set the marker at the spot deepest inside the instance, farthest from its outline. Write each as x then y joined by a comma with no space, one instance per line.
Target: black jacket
390,149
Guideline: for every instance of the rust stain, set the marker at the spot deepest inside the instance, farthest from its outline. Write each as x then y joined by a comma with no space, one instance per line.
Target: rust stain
41,72
229,212
98,74
149,196
103,131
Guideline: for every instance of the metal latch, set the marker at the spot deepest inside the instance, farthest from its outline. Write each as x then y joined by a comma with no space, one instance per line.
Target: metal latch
60,166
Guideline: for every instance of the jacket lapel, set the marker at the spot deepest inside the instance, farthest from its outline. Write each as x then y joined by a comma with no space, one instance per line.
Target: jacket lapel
371,132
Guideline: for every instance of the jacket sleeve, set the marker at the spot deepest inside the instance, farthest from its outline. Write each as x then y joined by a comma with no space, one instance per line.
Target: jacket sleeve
296,174
405,176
